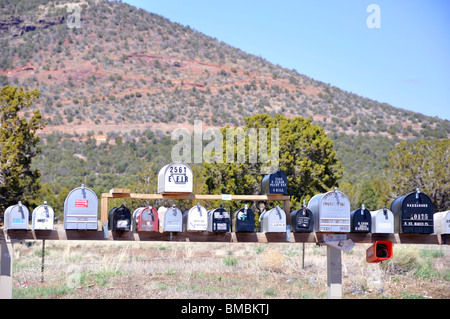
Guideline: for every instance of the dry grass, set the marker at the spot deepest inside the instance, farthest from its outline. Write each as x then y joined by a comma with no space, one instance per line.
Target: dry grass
80,269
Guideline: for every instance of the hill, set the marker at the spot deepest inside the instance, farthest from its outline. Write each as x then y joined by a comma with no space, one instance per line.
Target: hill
127,71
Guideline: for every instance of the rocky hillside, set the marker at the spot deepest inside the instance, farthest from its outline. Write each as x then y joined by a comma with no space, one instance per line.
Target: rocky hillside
128,69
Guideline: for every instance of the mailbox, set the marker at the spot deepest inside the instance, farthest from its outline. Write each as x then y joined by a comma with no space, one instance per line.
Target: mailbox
381,250
302,220
382,221
361,220
16,217
42,217
274,183
273,221
413,213
195,219
442,222
175,178
81,209
170,219
331,212
119,218
243,220
218,220
146,219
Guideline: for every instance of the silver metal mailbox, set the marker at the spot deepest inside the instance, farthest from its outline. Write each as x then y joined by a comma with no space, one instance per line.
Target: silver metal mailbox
331,212
218,220
273,221
382,221
81,209
170,219
42,217
16,217
442,222
195,219
175,178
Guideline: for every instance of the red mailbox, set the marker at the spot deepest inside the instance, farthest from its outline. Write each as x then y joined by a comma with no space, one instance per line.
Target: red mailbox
146,219
381,250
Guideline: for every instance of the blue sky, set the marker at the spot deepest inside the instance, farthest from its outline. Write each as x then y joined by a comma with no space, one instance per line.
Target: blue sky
405,62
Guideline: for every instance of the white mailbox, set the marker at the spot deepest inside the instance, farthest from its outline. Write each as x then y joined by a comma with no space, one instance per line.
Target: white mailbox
331,212
170,219
16,217
195,219
442,222
273,221
42,217
175,178
382,221
81,209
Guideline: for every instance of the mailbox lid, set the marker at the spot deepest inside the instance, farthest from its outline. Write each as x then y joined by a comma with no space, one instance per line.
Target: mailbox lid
172,220
176,177
42,217
442,222
361,221
81,209
274,183
274,221
382,221
302,220
17,217
331,212
243,220
413,213
196,219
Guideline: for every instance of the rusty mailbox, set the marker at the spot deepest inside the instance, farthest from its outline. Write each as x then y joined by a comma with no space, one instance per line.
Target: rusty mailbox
16,217
331,212
243,220
413,213
42,217
81,209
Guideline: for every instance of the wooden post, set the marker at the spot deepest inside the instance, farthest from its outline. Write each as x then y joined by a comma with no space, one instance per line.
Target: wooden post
334,273
6,268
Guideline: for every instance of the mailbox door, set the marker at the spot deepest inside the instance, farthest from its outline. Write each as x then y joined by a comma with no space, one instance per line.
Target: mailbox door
442,222
274,183
43,218
302,221
382,221
361,221
244,220
173,220
331,212
18,217
220,220
122,219
175,178
147,219
197,219
81,209
413,213
275,221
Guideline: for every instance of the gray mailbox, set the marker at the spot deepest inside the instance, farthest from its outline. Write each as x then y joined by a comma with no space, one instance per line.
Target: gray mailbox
442,222
42,217
170,219
16,217
81,209
175,178
331,212
273,221
382,221
195,219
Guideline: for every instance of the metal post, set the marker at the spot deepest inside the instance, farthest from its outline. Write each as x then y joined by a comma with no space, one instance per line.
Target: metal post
6,268
334,273
43,260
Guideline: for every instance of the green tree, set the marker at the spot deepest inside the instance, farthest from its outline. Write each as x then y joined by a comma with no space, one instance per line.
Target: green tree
424,165
306,156
18,146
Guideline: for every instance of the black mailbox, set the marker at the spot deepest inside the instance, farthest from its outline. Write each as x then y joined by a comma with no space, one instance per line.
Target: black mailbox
361,221
243,220
119,218
274,183
413,213
218,220
302,220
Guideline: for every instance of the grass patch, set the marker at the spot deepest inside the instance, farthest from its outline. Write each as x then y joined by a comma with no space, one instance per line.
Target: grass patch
230,261
42,292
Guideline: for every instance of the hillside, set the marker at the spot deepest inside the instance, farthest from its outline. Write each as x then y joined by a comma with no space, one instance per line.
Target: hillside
128,71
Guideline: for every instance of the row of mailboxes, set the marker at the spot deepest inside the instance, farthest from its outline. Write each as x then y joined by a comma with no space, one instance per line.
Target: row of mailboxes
17,217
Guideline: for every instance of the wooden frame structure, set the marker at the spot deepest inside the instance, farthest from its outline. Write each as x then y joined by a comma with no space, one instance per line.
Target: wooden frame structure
334,266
